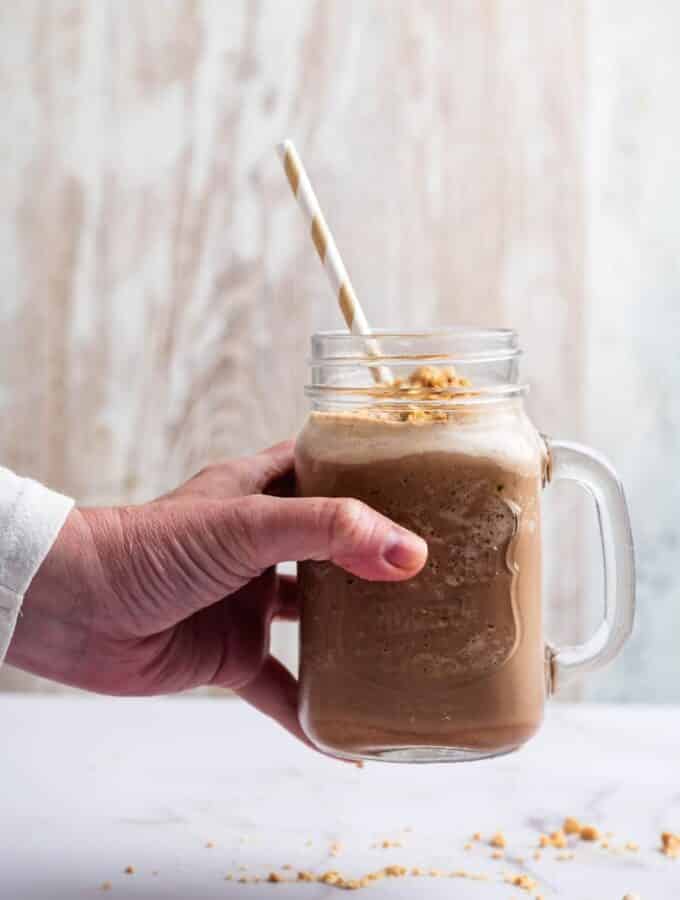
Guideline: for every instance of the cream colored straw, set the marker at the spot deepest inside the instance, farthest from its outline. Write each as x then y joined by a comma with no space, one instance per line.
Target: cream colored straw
329,255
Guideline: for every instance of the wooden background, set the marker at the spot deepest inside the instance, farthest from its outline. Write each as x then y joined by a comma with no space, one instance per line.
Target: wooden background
506,162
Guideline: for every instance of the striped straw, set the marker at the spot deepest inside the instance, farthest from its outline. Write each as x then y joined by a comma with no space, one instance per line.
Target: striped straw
329,255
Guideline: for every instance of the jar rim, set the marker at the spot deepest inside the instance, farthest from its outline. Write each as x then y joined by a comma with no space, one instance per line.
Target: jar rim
485,361
455,344
467,330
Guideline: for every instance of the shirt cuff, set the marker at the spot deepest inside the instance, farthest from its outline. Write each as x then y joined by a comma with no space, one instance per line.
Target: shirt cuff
31,517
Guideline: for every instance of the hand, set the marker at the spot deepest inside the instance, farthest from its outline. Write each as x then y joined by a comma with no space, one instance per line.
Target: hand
182,591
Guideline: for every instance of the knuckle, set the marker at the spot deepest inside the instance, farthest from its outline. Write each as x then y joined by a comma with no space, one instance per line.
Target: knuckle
208,470
259,473
211,476
245,531
350,524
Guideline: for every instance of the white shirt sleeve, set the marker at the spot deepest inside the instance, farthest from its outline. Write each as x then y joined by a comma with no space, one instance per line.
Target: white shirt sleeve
31,517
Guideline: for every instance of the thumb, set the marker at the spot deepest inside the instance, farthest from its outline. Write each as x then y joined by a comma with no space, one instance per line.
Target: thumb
267,530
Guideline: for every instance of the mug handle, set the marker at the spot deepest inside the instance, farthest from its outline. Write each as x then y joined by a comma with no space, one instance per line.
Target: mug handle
572,462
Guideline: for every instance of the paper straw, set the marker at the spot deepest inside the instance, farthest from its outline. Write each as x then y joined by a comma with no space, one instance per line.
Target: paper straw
329,255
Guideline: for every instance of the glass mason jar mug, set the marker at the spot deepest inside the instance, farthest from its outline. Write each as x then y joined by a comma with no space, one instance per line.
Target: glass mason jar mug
452,664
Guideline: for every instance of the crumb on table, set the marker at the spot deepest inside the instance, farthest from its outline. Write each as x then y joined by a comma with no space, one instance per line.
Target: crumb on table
524,882
395,871
670,844
571,825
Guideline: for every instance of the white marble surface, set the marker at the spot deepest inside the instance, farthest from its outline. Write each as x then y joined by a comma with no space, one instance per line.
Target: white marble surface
91,785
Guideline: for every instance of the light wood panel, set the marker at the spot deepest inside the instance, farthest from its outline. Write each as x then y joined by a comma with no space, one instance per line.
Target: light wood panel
633,315
158,289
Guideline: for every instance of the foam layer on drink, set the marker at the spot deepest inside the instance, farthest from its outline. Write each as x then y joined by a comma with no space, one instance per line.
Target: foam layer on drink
505,435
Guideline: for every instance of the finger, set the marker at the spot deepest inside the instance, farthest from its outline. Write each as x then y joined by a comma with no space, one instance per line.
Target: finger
283,485
257,472
245,475
287,598
266,530
274,692
269,468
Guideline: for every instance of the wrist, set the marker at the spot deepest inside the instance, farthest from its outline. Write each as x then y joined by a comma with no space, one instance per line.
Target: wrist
54,620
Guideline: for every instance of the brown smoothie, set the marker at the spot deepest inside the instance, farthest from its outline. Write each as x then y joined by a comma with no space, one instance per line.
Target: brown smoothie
452,660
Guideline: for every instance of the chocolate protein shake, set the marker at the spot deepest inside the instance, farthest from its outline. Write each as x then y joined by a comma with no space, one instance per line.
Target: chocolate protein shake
451,662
